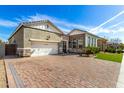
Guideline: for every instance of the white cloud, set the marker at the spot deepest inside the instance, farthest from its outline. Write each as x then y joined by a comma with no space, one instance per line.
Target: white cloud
7,23
64,29
115,25
117,32
101,30
113,31
120,30
109,20
65,24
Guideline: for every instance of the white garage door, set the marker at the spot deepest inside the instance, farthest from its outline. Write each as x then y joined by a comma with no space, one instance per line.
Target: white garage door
40,49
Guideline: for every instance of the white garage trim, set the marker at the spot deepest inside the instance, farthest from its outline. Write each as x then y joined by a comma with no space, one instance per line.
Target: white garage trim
43,40
43,48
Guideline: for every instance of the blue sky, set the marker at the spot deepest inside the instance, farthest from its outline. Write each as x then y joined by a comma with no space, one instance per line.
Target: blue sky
105,21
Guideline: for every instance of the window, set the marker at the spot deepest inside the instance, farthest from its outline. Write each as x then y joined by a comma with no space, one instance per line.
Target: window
88,41
80,43
92,42
47,26
14,42
74,43
70,44
43,26
60,44
95,42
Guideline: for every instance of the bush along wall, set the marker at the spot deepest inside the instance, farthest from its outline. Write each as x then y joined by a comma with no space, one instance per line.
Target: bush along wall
114,50
92,50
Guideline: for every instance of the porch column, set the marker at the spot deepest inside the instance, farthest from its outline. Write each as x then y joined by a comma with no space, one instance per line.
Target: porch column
96,42
67,45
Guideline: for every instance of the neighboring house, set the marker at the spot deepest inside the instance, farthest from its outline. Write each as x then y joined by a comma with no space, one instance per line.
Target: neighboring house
44,38
102,44
79,39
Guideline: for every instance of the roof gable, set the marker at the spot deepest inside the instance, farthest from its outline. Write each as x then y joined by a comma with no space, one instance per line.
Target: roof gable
75,32
43,24
78,31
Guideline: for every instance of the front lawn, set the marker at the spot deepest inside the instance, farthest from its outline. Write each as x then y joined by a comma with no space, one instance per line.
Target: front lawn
110,56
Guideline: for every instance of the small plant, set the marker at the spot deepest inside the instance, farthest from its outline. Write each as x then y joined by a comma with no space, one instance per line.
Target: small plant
95,50
88,51
92,50
119,50
111,50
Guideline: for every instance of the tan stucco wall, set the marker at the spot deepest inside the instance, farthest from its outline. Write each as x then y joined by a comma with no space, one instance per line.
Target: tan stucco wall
30,33
54,29
24,34
18,37
43,26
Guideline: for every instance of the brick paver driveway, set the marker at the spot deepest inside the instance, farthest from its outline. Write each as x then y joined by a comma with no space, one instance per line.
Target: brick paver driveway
66,71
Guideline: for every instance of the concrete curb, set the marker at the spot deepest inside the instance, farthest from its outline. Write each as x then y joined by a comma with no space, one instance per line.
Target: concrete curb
19,83
120,82
10,79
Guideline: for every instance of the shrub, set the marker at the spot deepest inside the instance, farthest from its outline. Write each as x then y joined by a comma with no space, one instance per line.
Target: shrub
95,50
119,50
88,51
92,50
111,50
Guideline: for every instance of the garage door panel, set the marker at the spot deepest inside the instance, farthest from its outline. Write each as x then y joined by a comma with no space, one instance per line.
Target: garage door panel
39,49
34,51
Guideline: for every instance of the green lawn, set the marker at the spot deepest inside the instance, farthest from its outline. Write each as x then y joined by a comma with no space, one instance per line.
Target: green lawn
110,56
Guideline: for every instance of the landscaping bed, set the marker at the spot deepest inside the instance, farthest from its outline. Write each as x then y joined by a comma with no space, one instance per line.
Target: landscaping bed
2,75
115,57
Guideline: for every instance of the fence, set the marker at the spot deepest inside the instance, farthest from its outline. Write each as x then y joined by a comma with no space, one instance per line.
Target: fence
2,50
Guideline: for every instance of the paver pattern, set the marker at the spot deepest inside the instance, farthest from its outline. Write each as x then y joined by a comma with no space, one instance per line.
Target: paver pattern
66,72
2,75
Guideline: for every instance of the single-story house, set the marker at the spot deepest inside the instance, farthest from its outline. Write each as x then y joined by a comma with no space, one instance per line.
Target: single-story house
102,43
44,38
79,39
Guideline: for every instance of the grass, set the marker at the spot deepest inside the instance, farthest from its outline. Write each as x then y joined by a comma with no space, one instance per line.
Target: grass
110,57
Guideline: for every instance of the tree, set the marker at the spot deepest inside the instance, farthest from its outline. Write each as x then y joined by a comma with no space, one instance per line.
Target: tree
122,46
115,41
115,45
0,41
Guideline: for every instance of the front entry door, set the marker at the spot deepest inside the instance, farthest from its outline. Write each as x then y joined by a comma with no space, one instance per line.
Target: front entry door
64,46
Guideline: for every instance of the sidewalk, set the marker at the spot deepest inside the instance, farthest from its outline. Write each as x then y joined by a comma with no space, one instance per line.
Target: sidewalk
120,83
